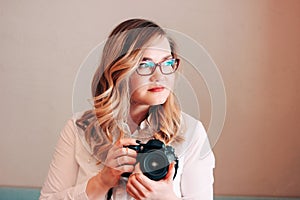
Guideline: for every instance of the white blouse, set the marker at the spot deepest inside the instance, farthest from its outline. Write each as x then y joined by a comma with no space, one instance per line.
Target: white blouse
73,164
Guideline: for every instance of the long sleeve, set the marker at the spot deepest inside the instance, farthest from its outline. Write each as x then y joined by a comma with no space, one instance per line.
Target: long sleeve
197,176
62,175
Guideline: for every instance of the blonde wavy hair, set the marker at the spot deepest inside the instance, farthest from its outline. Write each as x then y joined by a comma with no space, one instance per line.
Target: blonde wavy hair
110,87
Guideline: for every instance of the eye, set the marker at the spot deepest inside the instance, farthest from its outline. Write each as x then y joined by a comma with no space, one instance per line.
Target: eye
169,63
146,64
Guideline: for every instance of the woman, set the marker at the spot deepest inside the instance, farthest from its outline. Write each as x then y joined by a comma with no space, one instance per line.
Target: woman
133,103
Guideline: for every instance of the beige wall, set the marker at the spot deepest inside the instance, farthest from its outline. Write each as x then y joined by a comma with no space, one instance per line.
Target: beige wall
255,44
258,54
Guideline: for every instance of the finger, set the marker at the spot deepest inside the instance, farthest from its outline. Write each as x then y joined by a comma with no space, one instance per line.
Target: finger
144,182
136,188
125,160
120,152
125,168
126,142
120,157
137,168
123,142
141,178
129,152
171,172
123,151
133,192
125,164
113,154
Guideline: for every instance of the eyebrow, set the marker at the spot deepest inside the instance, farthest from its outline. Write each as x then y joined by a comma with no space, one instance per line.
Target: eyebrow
164,58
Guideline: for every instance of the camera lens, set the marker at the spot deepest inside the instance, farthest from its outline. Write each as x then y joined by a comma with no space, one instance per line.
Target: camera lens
154,164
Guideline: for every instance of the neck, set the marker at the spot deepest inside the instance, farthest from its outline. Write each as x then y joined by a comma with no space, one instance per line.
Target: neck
138,113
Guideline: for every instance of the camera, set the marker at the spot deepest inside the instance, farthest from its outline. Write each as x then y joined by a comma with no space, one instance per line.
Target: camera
154,158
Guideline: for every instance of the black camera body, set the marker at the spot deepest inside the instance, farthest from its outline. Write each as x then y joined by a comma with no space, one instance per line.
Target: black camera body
154,158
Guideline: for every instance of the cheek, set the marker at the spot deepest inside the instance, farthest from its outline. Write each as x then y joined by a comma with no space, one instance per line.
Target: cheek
136,83
171,82
137,95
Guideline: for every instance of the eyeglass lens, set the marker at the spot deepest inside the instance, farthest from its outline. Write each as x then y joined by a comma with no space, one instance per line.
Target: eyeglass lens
148,67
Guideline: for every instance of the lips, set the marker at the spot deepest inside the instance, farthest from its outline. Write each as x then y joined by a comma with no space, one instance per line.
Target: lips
156,89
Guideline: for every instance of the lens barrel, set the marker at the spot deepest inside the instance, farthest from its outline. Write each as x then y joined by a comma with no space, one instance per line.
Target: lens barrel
154,164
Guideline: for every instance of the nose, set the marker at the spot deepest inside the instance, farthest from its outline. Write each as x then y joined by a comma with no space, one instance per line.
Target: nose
157,75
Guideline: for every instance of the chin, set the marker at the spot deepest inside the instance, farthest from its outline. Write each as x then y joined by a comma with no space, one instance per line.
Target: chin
150,100
157,102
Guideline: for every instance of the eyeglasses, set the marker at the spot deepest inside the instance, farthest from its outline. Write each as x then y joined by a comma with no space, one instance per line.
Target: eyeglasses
166,67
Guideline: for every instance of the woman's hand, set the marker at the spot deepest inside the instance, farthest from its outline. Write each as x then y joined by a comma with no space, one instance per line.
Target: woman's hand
119,160
141,187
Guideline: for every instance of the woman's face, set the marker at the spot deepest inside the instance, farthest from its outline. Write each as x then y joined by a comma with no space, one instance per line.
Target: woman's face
153,89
